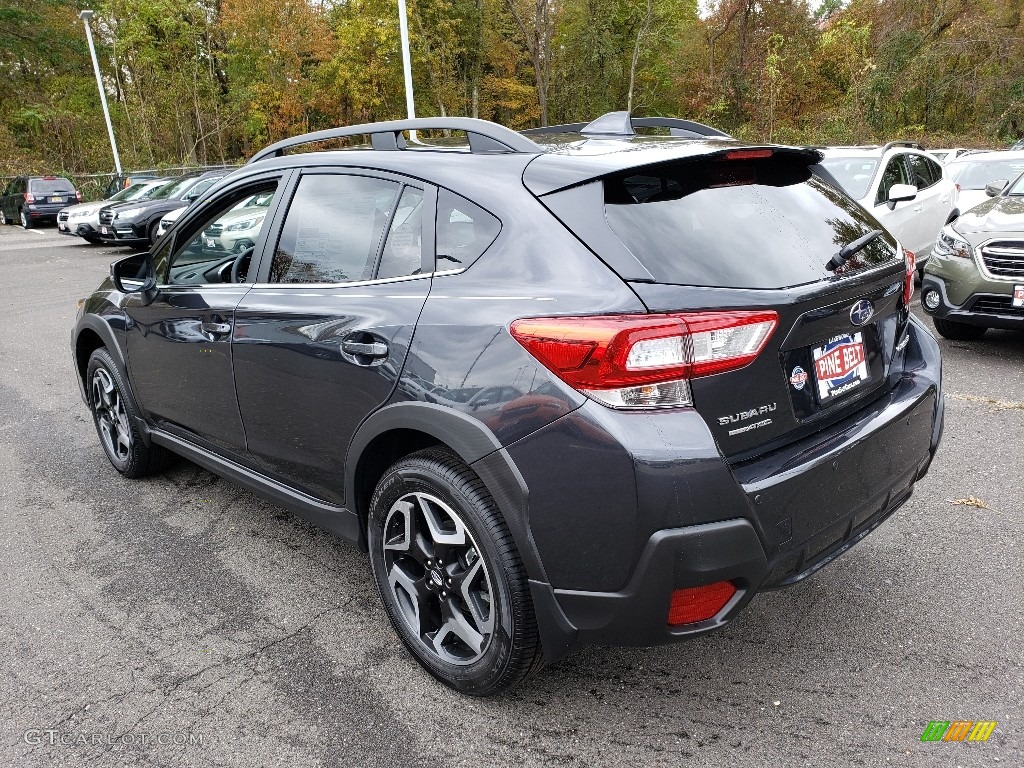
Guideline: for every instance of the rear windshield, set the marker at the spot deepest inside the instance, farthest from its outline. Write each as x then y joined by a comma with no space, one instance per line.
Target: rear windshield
49,186
975,175
854,174
738,224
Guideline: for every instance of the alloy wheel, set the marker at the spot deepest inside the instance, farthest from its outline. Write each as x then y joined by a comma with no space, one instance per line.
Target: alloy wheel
111,416
438,579
24,220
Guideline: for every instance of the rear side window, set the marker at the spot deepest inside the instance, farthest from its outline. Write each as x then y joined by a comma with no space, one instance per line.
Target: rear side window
738,224
924,171
464,231
49,186
332,232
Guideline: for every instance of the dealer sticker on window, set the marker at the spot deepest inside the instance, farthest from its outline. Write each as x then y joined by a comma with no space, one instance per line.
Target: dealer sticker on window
1018,295
840,365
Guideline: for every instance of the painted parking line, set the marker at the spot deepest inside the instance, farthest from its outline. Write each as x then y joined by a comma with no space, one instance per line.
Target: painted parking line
36,231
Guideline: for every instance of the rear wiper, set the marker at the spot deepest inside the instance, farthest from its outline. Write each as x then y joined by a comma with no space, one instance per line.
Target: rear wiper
851,248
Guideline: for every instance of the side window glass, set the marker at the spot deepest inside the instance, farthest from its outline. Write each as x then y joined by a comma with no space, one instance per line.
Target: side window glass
936,170
895,173
921,173
332,232
218,248
403,249
464,231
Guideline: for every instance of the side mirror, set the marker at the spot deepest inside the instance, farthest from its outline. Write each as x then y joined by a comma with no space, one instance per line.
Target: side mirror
135,274
900,192
995,188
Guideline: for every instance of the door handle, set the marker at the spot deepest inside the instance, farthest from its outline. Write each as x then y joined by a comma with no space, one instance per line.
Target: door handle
917,208
365,349
216,328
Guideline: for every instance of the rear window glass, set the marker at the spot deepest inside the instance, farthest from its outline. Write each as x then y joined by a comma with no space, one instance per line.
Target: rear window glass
49,186
854,174
975,175
738,224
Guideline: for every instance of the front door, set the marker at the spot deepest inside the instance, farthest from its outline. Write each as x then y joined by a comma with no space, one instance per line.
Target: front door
321,338
902,218
179,345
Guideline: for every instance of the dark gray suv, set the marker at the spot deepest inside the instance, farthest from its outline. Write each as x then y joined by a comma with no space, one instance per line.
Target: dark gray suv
596,388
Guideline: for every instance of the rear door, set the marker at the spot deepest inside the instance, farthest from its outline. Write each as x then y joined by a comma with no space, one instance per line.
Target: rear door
902,219
754,231
934,197
321,339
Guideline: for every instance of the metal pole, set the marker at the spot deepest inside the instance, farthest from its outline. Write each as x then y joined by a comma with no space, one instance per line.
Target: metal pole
85,16
410,105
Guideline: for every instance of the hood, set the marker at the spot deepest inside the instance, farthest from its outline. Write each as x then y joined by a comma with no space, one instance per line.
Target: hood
997,216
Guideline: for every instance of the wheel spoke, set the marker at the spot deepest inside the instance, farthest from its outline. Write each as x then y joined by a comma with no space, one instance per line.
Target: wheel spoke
409,593
458,625
479,609
399,541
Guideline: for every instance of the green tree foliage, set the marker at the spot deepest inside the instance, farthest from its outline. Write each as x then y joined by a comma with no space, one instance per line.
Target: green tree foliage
198,81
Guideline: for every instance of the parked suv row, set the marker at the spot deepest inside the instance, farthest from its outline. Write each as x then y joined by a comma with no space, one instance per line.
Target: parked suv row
580,386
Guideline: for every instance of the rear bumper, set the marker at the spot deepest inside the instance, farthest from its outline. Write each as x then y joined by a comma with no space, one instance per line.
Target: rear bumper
805,506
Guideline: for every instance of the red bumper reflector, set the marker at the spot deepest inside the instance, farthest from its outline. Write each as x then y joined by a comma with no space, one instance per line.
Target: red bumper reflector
689,606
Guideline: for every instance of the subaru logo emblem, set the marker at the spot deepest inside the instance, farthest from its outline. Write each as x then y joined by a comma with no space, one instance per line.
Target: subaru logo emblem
861,312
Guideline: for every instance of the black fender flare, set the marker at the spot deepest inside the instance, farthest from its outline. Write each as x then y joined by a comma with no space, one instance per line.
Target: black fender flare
102,328
480,449
475,444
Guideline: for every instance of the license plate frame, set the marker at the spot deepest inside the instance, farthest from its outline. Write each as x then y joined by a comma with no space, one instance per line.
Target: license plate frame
211,242
1018,296
104,231
840,366
56,199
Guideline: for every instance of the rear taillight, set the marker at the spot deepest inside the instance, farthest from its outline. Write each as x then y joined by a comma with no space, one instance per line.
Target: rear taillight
644,361
29,197
908,280
78,196
688,606
957,185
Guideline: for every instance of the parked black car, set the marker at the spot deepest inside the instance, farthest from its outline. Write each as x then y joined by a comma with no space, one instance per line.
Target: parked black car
136,222
600,389
31,200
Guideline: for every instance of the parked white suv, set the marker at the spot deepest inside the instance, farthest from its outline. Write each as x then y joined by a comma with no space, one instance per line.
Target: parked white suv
902,186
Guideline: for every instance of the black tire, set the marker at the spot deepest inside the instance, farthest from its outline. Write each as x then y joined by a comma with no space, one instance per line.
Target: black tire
152,232
950,329
113,414
92,239
25,221
3,218
452,580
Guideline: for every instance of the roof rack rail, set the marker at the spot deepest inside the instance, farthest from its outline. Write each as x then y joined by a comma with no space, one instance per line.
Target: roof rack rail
484,136
622,124
911,144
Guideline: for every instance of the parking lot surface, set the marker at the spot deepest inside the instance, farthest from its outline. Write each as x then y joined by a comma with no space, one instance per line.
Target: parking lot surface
183,621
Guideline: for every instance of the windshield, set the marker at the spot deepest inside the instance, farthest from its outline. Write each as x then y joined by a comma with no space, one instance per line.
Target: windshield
143,189
1017,187
764,224
854,174
975,174
174,189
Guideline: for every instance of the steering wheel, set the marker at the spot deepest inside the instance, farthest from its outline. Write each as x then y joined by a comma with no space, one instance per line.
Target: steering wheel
240,266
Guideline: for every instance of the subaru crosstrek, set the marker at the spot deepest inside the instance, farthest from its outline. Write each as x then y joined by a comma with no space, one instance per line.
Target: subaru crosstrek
603,388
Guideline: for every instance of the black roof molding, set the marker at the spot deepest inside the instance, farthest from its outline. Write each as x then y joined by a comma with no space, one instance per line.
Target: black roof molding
622,124
484,137
910,144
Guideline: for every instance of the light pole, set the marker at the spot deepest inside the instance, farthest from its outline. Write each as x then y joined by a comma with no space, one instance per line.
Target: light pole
410,105
85,16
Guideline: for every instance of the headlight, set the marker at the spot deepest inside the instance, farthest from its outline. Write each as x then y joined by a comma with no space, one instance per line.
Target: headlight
238,226
950,243
82,214
128,213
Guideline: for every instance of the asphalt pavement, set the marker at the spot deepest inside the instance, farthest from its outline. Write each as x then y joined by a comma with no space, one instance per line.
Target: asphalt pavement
181,621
